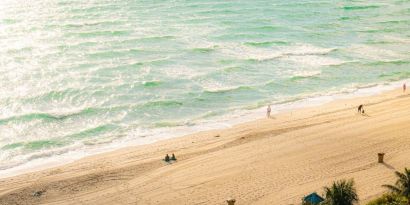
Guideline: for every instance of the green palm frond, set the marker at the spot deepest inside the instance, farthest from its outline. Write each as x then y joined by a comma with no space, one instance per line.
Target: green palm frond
392,188
341,192
402,185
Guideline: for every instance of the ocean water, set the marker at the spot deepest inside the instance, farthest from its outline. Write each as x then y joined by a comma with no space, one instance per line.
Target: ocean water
79,77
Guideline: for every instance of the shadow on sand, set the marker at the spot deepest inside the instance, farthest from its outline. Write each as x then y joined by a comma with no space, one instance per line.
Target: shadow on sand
388,166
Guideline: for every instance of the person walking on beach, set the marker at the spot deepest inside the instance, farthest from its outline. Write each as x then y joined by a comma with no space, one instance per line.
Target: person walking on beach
404,87
360,109
268,110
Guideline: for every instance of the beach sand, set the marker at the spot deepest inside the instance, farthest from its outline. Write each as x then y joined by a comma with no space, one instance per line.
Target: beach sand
268,161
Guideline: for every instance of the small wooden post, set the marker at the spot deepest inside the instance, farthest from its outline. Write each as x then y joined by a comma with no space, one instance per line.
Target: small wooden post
230,201
380,155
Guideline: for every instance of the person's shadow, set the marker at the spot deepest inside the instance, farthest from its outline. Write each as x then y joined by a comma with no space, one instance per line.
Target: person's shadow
365,114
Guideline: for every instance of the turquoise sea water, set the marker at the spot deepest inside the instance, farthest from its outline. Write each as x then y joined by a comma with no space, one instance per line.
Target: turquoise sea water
79,75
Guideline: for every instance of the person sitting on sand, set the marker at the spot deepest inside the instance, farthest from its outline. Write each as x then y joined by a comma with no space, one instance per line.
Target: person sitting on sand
167,158
360,108
268,110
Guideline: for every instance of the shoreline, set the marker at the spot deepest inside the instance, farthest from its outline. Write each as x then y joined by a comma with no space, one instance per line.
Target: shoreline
257,162
220,122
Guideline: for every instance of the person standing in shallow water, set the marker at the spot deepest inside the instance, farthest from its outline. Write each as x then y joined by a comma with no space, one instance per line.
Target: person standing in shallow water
404,87
268,110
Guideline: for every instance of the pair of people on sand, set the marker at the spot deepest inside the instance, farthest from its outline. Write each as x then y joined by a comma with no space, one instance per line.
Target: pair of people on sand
168,158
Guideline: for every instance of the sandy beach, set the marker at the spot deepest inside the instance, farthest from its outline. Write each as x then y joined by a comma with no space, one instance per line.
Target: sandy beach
268,161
